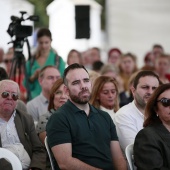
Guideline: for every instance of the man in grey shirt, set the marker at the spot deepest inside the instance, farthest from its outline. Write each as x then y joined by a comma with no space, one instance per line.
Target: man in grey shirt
38,106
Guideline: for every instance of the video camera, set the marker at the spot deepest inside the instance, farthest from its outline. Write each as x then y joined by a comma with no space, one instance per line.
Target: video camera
19,34
21,31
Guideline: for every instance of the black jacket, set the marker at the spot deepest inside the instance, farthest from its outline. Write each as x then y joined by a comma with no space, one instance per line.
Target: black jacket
26,131
152,148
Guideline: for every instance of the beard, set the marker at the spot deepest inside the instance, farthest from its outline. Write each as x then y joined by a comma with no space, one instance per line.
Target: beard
80,99
140,101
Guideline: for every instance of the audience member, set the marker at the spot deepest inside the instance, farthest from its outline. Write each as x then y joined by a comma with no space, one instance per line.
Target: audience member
44,56
94,53
93,75
57,98
112,71
2,57
3,74
127,67
8,58
74,57
86,59
18,131
162,66
149,62
15,74
129,119
126,97
150,57
151,147
105,95
38,106
20,104
1,54
114,56
157,50
109,70
81,136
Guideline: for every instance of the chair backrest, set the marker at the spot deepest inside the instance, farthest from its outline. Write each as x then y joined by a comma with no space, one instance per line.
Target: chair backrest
129,156
49,153
11,158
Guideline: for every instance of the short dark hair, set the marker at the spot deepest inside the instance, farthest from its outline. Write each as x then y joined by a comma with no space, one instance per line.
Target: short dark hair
41,73
44,32
144,73
157,46
96,48
72,67
97,65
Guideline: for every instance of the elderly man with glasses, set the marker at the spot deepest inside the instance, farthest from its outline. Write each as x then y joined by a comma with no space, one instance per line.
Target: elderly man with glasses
17,130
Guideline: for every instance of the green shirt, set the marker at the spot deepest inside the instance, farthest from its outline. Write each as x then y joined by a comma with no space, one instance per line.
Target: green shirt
90,135
34,87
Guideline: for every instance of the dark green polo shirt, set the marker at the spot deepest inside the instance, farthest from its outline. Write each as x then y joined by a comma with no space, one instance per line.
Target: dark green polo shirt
90,135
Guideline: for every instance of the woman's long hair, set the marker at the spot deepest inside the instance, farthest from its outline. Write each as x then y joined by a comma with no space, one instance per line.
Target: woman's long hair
97,87
133,57
54,88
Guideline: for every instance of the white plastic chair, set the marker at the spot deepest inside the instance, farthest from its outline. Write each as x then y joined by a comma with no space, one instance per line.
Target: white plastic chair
49,153
129,156
11,158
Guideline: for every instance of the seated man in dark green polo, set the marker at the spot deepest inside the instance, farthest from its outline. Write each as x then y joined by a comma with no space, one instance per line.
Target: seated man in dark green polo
81,136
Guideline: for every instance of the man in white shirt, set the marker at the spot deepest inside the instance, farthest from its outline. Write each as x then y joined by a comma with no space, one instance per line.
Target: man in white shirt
129,119
38,106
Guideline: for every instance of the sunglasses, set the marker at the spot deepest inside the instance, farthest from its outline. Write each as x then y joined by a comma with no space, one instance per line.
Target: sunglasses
6,94
165,102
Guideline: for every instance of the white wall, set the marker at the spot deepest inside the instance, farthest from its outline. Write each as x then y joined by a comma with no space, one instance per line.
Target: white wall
135,25
62,26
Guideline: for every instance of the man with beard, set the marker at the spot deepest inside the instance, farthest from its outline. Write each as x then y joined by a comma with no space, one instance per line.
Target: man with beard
129,119
81,136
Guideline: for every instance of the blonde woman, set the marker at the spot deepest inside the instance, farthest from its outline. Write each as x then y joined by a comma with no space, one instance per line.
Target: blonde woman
105,95
127,67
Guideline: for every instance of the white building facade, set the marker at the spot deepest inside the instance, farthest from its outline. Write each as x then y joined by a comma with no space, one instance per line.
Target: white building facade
135,25
62,25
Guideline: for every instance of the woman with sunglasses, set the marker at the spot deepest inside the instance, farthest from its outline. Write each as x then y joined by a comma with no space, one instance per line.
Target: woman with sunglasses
105,95
152,144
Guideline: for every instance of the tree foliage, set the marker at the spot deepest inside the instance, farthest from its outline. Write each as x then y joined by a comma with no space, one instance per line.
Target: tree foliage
102,3
40,10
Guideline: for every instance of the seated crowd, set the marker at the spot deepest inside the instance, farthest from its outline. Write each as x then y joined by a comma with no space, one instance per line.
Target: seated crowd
90,111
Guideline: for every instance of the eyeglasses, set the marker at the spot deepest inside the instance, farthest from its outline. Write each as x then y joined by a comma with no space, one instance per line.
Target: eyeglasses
165,102
6,94
8,61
